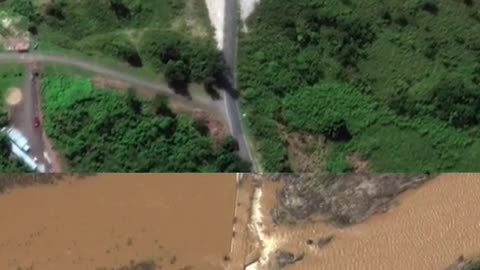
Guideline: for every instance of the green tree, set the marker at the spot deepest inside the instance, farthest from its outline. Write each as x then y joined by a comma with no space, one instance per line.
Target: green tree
176,72
160,47
100,131
161,106
133,102
457,102
25,8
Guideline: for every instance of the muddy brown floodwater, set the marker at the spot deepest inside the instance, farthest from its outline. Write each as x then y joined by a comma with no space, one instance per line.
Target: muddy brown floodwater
428,228
179,221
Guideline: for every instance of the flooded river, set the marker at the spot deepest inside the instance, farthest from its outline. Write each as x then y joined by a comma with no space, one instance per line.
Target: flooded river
428,228
179,221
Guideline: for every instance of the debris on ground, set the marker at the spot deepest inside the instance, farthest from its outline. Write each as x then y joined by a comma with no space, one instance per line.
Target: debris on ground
216,128
12,35
323,241
463,264
340,199
284,258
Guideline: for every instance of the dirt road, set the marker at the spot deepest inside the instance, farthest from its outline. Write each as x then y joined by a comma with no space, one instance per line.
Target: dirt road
24,114
196,99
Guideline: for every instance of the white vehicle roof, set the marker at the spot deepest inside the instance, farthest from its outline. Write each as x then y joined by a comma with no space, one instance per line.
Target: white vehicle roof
17,137
24,157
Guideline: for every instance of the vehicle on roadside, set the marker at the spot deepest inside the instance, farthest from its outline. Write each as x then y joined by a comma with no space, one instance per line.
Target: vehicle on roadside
17,138
36,122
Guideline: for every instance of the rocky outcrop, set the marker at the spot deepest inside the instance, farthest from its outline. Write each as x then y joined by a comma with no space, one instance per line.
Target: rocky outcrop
284,258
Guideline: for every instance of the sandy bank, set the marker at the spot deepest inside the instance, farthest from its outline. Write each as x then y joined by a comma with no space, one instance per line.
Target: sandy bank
247,7
216,12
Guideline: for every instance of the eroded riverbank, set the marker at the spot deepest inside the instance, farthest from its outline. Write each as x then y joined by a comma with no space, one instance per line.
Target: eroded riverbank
424,228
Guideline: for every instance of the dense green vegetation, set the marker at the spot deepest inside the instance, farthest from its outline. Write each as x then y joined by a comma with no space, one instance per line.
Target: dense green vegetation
9,76
181,59
140,33
98,130
397,82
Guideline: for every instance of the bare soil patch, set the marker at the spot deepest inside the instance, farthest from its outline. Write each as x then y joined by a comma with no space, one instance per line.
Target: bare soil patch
357,164
306,151
14,96
217,129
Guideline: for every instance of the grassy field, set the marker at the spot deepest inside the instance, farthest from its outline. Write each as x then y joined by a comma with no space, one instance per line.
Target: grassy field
394,83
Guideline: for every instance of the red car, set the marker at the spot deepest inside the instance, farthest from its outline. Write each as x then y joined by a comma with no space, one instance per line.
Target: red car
36,122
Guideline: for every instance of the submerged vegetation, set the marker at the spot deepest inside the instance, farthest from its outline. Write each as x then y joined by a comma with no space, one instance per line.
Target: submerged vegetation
396,83
97,130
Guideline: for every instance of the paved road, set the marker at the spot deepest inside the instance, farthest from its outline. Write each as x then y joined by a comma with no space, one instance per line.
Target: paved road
23,115
230,101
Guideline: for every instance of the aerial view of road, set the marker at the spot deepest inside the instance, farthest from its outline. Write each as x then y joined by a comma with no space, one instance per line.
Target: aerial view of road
25,117
239,134
227,106
25,114
231,103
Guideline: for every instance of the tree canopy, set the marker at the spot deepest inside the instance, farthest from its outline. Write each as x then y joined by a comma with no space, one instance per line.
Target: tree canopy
98,130
375,78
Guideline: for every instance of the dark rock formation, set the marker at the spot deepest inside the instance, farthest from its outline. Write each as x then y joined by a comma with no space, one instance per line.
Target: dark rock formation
284,258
